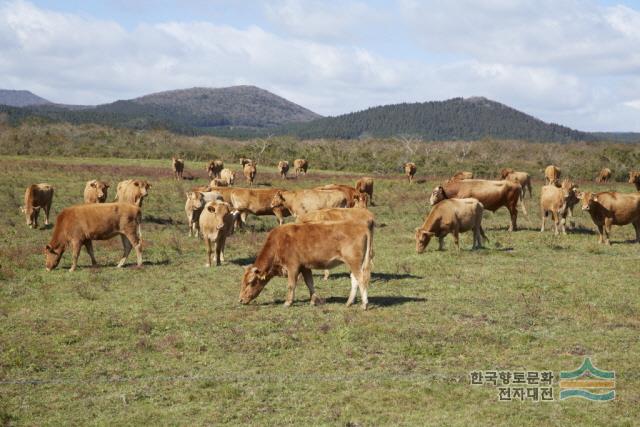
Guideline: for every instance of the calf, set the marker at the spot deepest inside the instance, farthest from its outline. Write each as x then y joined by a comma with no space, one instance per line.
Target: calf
558,201
283,168
552,175
294,249
132,191
95,191
302,201
452,216
194,205
410,170
365,185
216,223
612,208
249,172
79,225
37,196
300,166
178,167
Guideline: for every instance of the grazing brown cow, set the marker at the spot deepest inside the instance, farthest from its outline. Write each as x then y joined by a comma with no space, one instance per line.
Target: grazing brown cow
461,175
365,185
604,176
634,178
283,168
558,201
245,161
410,170
453,216
255,201
249,172
132,191
354,197
37,196
79,225
195,204
228,176
219,182
552,175
492,194
294,249
214,168
300,166
178,167
300,202
612,208
95,191
522,178
216,223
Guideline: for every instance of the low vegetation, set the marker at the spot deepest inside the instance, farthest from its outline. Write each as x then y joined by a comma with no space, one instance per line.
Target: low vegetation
169,343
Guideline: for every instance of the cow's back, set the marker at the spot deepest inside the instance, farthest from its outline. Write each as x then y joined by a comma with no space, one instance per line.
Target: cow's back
623,208
492,194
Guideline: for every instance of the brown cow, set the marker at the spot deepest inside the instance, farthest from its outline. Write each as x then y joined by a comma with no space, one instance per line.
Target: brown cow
552,175
612,208
294,249
255,201
558,201
79,225
604,176
195,204
216,223
132,191
354,197
410,170
365,185
249,172
300,166
219,182
492,194
37,196
634,178
300,202
178,167
461,175
214,168
453,216
283,168
95,191
228,176
522,178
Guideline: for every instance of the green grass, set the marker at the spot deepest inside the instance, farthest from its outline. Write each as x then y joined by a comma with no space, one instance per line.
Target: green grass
169,343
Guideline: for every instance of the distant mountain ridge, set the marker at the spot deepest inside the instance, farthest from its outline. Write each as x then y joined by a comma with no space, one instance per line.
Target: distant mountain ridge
21,98
454,119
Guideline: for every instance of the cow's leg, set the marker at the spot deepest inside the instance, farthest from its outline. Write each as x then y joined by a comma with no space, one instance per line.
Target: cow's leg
279,216
456,238
75,253
326,275
513,210
441,243
636,226
600,233
219,250
36,214
354,289
554,217
292,278
89,245
126,246
363,284
208,248
607,229
47,208
543,216
308,279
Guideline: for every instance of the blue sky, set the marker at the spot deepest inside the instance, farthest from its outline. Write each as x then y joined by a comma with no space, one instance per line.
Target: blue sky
566,61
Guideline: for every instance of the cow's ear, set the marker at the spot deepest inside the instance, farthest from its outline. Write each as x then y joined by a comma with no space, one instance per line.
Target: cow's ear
92,183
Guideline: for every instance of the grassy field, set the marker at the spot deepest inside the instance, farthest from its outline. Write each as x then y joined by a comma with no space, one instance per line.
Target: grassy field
169,344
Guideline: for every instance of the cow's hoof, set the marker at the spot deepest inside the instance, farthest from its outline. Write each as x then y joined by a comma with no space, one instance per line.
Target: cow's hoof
288,303
316,300
365,306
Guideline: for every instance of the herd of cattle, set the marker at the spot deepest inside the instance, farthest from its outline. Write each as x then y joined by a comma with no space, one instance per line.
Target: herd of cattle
333,223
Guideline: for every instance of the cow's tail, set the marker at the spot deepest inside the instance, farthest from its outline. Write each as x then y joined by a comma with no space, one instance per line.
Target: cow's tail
521,198
367,262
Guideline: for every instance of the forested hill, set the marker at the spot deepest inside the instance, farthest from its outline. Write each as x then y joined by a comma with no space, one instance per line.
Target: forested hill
454,119
20,98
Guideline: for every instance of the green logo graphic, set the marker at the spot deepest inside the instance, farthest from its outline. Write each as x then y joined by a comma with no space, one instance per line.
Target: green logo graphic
588,382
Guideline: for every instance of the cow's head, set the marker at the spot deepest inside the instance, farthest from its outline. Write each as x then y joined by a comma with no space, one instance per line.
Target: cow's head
422,239
588,199
360,200
634,177
52,256
437,195
253,282
504,173
220,216
100,188
278,200
569,189
30,213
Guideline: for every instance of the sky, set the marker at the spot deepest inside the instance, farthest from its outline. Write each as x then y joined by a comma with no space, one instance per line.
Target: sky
572,62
